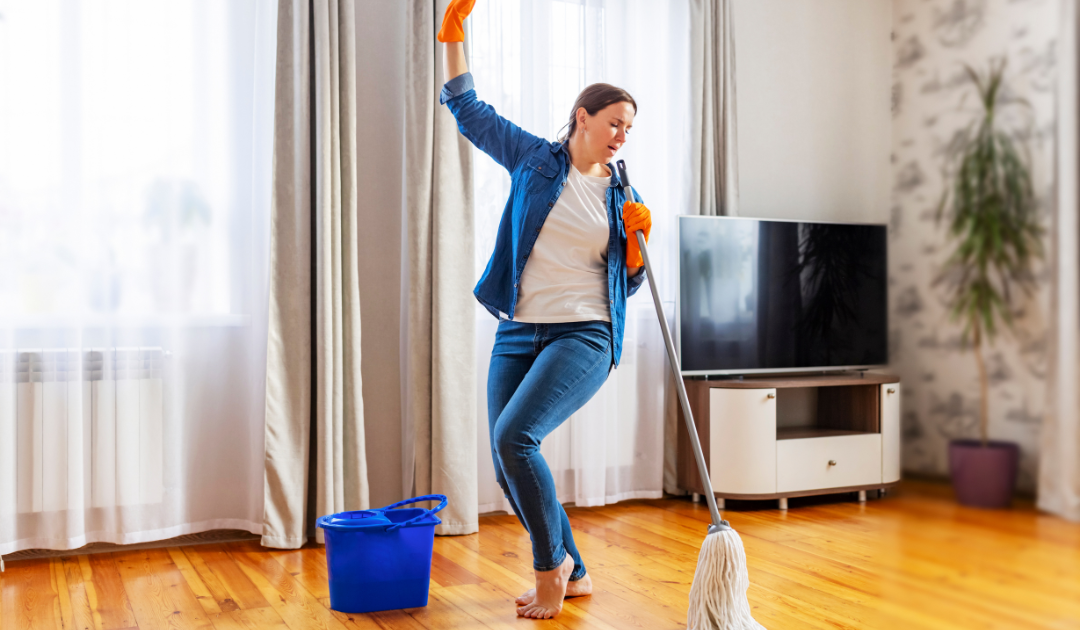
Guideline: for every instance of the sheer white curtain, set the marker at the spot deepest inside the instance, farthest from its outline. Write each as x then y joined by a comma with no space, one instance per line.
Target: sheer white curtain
530,59
1059,465
135,154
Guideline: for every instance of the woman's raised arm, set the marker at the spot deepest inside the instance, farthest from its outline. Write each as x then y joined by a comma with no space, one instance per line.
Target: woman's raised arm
504,141
452,34
454,59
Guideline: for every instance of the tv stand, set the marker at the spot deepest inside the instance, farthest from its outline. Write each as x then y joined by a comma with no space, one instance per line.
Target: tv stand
777,436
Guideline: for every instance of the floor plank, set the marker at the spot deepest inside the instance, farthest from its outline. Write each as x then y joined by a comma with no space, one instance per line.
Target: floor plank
109,601
351,621
82,616
29,600
489,607
442,613
915,560
249,619
308,566
231,577
222,599
159,595
446,572
194,582
297,608
63,596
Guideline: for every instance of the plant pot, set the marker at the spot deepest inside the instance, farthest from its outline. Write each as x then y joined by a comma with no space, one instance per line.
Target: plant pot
984,476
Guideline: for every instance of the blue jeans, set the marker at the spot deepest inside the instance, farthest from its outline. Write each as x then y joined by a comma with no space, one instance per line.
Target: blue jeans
539,375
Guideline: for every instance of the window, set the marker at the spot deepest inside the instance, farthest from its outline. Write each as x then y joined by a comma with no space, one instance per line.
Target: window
530,60
125,160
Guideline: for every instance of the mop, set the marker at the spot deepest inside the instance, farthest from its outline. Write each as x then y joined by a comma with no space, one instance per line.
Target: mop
718,593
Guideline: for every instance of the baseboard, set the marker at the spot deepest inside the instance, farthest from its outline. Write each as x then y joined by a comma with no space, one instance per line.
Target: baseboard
200,538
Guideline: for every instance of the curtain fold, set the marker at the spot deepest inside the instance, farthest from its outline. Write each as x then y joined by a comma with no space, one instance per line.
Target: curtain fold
1059,465
315,459
714,161
440,379
342,481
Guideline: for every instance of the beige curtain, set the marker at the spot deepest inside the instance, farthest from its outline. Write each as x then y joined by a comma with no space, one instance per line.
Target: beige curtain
714,154
1059,464
712,82
440,387
315,461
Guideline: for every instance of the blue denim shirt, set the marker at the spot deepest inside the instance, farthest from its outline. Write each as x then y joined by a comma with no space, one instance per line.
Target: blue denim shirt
538,171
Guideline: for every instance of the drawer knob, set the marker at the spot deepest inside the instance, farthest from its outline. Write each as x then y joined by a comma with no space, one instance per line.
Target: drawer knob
832,462
891,390
770,395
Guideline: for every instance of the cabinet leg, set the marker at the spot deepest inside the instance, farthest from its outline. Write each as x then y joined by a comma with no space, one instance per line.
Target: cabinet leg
783,503
695,497
719,503
862,496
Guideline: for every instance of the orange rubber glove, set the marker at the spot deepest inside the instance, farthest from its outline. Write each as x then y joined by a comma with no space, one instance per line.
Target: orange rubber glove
635,217
456,12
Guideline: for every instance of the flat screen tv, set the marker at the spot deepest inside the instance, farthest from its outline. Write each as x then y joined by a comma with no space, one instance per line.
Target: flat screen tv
760,296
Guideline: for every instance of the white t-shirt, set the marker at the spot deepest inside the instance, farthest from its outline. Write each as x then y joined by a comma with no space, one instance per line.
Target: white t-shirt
565,278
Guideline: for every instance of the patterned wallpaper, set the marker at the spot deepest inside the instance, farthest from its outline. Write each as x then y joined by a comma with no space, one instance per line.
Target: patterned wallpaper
932,101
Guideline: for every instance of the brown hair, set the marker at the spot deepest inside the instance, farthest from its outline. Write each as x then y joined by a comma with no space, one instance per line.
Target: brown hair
595,98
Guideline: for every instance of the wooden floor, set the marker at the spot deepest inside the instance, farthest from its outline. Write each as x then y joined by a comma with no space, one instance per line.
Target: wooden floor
911,560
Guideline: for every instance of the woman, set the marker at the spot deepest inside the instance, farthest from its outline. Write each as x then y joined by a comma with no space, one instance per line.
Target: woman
558,281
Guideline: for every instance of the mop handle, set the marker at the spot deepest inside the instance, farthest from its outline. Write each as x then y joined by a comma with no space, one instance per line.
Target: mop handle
673,361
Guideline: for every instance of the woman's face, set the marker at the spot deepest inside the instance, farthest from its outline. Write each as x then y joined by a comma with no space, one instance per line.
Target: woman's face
605,133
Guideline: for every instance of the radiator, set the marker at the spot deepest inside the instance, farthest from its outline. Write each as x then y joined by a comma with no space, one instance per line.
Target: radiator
80,428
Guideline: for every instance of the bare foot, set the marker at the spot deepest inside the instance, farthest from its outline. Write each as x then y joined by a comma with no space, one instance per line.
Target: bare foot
577,588
550,589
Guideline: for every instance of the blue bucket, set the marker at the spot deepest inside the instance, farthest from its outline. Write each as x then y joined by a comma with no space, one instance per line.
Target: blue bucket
380,559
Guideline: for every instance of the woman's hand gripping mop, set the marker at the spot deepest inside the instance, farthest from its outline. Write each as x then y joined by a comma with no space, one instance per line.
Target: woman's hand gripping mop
718,594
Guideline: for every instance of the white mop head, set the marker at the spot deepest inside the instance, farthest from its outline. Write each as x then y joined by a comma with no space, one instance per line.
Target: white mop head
718,594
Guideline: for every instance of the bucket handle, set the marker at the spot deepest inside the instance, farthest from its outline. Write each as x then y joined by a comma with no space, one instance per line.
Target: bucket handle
426,497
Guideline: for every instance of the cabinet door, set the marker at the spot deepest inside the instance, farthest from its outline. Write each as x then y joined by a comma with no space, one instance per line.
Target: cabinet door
828,462
890,432
742,440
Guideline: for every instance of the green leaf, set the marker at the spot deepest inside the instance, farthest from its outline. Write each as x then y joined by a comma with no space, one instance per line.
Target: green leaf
991,214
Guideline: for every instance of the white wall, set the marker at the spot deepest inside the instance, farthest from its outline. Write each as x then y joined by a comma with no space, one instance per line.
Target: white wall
813,82
380,49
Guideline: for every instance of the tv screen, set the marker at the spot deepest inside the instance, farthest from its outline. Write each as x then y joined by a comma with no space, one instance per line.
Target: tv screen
771,296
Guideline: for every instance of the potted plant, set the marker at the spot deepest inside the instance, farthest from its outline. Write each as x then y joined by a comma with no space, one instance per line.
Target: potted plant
992,220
